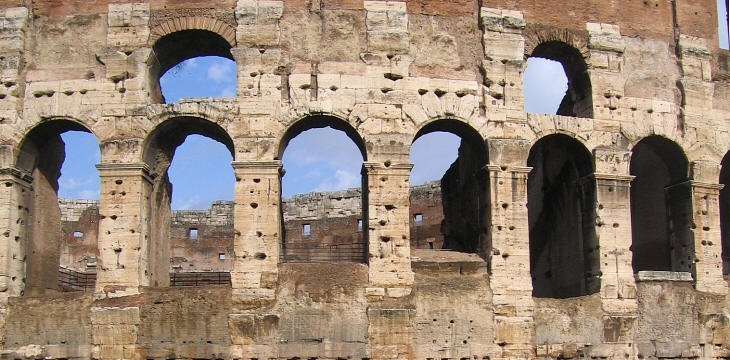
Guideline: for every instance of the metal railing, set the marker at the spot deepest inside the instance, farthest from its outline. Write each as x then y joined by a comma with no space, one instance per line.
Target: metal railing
199,278
72,280
312,252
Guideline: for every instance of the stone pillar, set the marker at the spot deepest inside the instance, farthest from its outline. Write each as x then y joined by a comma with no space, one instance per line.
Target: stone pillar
14,192
388,234
257,224
510,262
125,261
613,228
706,228
257,227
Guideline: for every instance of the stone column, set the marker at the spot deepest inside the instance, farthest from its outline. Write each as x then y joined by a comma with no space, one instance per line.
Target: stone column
388,234
613,228
257,227
257,224
510,262
706,228
14,192
125,262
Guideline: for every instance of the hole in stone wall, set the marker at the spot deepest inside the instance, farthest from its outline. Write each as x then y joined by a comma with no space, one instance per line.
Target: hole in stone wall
61,156
544,81
661,207
724,200
322,189
200,77
722,24
193,234
192,63
561,215
449,203
545,86
192,189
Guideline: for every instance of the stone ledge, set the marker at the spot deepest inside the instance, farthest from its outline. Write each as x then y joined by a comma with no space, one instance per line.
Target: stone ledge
663,276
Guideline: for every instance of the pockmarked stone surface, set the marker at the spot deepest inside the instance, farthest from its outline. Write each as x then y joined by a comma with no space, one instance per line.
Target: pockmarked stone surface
600,231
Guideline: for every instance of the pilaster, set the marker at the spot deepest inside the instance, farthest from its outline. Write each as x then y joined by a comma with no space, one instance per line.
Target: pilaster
388,231
707,246
14,192
510,262
257,228
126,261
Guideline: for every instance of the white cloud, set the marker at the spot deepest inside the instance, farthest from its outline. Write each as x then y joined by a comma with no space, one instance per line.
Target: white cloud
228,92
339,181
193,202
220,71
88,194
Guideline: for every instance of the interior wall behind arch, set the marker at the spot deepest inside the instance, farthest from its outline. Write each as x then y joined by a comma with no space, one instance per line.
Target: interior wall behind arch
465,200
660,208
561,215
43,158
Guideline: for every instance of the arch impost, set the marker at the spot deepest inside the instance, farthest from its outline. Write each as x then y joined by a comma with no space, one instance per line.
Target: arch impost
376,166
706,185
125,169
16,175
616,177
268,164
507,168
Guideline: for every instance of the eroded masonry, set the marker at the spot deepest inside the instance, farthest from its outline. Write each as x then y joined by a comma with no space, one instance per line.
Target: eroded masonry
598,232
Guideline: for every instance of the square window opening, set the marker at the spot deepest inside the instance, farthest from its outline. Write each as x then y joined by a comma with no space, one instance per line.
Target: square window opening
306,229
78,234
418,219
221,256
193,233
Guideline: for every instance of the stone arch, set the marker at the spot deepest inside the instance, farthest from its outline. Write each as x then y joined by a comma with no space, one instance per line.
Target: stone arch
325,238
561,213
159,114
182,44
661,207
561,125
570,49
226,31
40,154
312,121
464,189
157,153
536,34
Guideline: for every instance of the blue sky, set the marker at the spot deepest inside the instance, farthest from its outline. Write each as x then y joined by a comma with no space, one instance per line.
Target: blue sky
316,160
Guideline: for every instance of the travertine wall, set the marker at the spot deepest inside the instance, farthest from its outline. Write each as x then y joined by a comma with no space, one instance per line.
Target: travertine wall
333,218
643,74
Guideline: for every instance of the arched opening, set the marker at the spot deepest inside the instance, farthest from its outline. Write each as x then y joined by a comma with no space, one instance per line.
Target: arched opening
185,244
661,207
561,196
725,212
61,234
192,63
322,192
544,81
456,217
545,86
